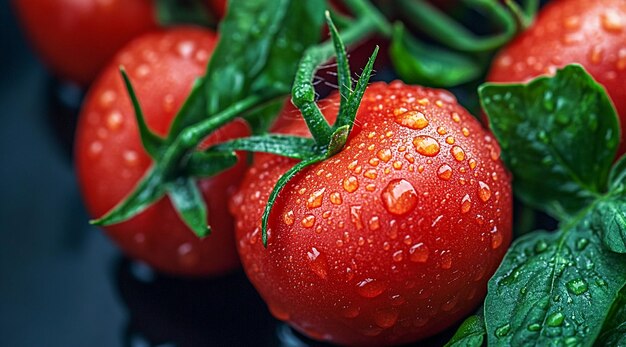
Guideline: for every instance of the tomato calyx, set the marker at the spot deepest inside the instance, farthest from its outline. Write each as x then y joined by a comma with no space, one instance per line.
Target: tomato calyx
240,84
327,140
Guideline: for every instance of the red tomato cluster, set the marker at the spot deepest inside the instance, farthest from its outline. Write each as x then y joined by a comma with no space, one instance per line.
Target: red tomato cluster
391,240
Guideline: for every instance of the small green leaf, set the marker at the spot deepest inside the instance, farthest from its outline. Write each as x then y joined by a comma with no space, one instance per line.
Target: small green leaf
189,203
354,101
417,62
176,12
282,182
609,218
617,177
284,145
207,164
553,289
559,137
338,140
152,143
344,76
614,330
470,334
147,191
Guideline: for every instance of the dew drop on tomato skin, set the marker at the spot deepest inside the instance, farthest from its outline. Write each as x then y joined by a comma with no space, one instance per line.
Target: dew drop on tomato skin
466,203
496,238
458,153
418,253
288,218
318,263
370,288
350,184
484,191
315,199
308,221
399,197
412,120
426,145
444,172
386,318
612,22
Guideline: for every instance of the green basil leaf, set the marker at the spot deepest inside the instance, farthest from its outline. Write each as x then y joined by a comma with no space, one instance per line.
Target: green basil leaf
417,62
617,177
189,204
553,289
470,334
284,145
609,220
568,125
614,330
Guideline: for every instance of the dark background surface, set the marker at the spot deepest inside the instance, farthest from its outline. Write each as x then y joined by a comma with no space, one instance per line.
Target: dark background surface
62,282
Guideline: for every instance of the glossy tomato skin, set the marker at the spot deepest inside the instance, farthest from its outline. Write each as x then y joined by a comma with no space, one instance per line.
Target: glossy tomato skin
76,38
110,158
389,241
588,32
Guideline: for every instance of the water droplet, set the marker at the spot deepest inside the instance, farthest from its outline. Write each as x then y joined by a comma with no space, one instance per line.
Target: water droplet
496,238
350,184
399,197
386,318
142,70
315,199
581,243
595,54
412,119
503,330
335,198
442,131
107,99
397,165
355,216
318,263
308,221
444,172
466,203
446,260
374,223
621,60
472,163
187,255
384,155
374,162
95,148
555,319
577,286
426,145
398,256
370,187
288,218
450,140
114,120
458,153
450,304
371,174
131,158
572,22
612,21
370,288
534,327
455,117
484,191
186,48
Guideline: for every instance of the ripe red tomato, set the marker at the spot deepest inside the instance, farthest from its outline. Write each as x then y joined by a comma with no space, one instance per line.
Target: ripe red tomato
76,38
588,32
389,241
110,158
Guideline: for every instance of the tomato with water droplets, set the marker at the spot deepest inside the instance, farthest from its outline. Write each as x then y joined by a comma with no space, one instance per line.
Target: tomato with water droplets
587,32
385,251
110,158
